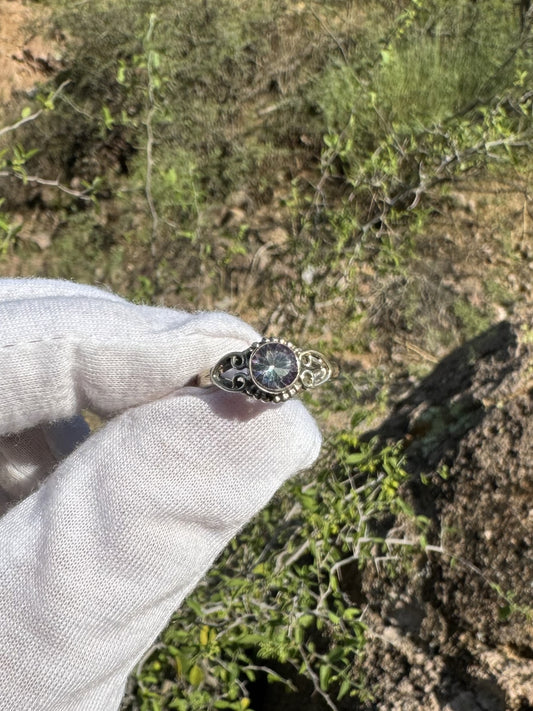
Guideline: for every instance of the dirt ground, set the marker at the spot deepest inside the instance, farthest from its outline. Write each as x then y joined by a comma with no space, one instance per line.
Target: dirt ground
457,635
25,56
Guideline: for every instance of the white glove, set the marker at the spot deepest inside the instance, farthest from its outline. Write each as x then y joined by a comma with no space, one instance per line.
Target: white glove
95,560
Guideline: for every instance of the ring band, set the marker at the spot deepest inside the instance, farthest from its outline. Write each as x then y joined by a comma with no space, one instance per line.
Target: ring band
272,370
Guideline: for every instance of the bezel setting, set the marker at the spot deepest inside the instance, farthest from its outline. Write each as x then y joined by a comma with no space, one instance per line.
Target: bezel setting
241,371
270,350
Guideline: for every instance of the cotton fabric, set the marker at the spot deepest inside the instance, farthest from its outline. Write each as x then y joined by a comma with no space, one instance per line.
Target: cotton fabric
103,535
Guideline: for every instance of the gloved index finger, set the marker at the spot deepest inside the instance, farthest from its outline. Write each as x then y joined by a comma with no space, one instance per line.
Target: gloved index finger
17,288
62,353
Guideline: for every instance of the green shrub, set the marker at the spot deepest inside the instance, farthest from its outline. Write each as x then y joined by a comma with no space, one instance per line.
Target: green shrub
438,92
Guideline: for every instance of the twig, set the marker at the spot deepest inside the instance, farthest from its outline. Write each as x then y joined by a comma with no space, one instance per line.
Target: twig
282,564
316,681
35,115
267,670
20,123
441,174
333,37
149,149
82,194
416,349
142,661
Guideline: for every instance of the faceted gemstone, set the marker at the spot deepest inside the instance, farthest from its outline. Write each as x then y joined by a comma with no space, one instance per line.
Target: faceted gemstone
274,367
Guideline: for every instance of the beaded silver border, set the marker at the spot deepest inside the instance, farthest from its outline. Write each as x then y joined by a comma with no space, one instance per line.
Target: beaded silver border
233,373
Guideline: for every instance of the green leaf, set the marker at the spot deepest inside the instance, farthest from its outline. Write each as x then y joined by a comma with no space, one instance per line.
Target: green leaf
324,675
351,613
195,607
108,119
344,689
336,653
178,704
196,675
121,72
306,621
204,636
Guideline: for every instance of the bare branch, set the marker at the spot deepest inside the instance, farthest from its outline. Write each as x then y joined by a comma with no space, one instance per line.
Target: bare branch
20,123
33,116
316,681
81,194
150,146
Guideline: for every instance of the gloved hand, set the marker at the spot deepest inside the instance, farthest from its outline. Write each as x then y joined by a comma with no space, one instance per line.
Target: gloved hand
96,552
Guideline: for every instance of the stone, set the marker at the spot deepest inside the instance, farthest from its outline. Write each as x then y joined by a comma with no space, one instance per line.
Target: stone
273,367
276,236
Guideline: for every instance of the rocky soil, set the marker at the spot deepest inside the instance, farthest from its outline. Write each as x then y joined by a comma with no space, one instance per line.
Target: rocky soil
456,633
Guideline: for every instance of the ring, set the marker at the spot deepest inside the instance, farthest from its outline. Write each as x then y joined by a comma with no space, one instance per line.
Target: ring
272,370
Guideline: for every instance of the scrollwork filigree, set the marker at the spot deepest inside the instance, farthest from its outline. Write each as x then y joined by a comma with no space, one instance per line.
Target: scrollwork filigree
233,372
314,369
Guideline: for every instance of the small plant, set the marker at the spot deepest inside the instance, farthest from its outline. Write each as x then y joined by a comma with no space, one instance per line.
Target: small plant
8,231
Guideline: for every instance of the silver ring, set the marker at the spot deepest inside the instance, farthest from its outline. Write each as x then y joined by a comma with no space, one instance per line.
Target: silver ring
272,370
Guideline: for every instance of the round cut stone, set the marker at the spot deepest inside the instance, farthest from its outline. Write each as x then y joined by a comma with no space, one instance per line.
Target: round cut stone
274,367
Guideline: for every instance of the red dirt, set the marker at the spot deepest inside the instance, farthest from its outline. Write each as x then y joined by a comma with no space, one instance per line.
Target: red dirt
26,57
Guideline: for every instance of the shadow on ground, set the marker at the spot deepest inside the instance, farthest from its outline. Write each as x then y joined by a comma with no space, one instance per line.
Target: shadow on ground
454,630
